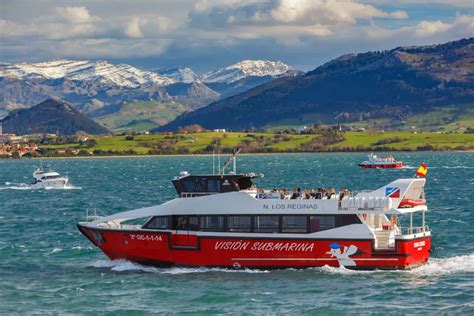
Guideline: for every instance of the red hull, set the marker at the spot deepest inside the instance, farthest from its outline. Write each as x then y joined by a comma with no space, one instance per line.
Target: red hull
382,166
165,248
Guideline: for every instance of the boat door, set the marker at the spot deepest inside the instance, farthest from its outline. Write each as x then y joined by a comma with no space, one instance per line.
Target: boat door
184,231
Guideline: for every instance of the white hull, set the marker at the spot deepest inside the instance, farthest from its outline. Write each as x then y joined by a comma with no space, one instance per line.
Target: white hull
54,183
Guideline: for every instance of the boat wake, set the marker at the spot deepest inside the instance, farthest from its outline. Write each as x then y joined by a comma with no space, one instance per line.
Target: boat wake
69,187
15,186
125,265
24,186
434,267
444,266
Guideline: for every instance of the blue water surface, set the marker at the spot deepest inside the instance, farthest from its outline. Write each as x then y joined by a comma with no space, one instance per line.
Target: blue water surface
47,266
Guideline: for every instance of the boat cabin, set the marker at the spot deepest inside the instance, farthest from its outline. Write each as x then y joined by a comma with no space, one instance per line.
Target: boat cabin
187,185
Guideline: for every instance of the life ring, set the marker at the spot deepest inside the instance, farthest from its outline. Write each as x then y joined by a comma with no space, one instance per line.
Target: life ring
408,203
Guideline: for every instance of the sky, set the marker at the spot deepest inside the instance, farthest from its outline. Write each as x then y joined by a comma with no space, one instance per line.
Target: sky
208,34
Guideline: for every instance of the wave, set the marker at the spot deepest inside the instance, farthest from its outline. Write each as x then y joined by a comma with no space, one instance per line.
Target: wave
458,167
56,250
125,265
443,266
82,248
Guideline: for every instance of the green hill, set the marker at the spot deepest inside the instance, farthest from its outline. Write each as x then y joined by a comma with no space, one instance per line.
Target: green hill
394,85
51,116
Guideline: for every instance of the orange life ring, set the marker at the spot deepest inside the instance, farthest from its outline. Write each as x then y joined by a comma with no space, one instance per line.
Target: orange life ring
407,203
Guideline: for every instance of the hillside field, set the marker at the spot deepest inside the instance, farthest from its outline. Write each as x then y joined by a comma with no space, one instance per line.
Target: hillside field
266,142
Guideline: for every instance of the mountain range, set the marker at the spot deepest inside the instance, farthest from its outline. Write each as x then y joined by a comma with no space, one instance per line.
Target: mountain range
106,91
393,84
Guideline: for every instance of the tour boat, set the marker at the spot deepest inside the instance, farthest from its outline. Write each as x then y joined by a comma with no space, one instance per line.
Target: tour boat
223,220
381,162
48,179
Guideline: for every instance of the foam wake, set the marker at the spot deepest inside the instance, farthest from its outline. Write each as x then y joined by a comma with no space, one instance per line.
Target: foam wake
443,266
434,267
125,265
24,186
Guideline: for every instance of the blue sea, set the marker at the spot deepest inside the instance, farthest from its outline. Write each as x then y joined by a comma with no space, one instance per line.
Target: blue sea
48,267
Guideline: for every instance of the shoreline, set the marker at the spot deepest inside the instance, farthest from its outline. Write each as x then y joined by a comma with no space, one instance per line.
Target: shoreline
243,154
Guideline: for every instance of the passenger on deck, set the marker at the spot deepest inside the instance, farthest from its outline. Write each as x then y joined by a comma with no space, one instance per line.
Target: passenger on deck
282,193
324,193
332,193
317,194
296,194
344,193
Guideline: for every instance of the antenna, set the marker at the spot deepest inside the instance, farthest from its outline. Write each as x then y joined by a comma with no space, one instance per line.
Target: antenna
219,159
232,158
213,161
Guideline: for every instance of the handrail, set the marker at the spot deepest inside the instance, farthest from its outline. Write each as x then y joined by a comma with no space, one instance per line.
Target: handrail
413,230
194,194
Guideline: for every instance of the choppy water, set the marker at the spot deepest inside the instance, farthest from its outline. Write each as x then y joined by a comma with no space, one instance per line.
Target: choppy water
46,266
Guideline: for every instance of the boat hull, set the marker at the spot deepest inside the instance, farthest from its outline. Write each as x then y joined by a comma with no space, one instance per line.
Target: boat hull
169,249
56,184
382,166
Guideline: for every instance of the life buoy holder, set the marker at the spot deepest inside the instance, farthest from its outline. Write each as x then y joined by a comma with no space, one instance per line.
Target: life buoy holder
408,203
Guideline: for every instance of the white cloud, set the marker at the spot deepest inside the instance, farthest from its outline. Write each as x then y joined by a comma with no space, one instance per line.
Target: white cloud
133,28
76,14
429,28
203,30
328,12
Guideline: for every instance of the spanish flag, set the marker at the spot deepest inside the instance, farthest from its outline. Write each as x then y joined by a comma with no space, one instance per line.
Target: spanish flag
422,171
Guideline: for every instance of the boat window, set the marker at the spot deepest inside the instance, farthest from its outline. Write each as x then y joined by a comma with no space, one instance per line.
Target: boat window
266,224
213,185
158,222
244,183
211,223
185,222
321,222
240,223
180,222
343,220
188,185
294,224
193,223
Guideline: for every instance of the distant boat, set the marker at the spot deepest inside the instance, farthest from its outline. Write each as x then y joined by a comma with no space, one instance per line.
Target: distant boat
48,179
387,162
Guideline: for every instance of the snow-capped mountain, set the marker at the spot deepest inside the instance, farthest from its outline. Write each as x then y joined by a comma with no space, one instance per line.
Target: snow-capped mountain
247,68
118,74
101,88
180,74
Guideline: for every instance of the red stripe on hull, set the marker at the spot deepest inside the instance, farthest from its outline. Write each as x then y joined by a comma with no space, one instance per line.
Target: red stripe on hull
161,249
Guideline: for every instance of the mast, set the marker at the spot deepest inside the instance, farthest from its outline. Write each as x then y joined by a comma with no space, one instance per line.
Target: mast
233,159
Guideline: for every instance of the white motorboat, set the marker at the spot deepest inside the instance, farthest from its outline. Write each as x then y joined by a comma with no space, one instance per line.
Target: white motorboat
48,179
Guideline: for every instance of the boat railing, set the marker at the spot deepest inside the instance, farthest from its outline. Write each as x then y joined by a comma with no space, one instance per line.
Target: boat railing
413,230
91,215
195,194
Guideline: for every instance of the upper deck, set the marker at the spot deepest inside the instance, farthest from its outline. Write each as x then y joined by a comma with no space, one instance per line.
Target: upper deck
187,185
